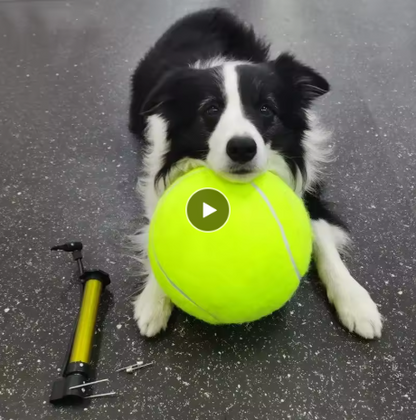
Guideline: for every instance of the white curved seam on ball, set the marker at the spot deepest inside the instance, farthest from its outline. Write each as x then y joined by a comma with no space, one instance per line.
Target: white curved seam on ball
282,231
180,291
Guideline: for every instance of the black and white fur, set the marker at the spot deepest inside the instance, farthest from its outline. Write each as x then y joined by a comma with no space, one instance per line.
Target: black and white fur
207,94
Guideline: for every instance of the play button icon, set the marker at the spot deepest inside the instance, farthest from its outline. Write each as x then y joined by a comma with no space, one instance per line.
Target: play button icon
208,210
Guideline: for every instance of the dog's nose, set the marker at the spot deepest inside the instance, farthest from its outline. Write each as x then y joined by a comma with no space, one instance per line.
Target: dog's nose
241,149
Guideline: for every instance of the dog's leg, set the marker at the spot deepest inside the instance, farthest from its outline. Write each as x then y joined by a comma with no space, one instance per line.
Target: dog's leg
354,306
152,308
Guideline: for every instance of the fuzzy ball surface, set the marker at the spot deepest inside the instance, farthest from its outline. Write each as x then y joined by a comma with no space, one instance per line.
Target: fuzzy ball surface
247,268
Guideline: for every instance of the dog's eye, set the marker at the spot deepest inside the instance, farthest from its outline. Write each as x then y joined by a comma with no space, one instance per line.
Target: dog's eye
212,110
266,111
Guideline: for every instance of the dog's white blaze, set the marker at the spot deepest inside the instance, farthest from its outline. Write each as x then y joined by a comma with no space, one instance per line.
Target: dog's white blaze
233,123
215,62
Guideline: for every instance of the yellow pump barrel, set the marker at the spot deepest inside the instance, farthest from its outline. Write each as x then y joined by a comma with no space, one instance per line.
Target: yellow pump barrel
84,334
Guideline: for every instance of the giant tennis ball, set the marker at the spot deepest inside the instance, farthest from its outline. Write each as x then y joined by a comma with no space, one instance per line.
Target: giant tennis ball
231,266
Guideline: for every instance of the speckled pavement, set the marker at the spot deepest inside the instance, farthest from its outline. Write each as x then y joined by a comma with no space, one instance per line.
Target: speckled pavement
68,168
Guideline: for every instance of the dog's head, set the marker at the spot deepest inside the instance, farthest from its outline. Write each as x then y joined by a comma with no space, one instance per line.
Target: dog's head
239,119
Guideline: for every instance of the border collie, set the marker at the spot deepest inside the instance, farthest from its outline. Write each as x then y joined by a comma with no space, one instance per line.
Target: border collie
208,94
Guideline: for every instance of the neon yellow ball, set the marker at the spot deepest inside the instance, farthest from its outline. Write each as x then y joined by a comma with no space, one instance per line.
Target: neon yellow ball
248,268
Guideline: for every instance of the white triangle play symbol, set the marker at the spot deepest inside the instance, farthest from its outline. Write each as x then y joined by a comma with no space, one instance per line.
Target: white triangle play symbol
207,210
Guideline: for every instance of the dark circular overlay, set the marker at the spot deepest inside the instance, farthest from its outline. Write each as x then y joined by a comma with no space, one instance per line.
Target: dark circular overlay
208,210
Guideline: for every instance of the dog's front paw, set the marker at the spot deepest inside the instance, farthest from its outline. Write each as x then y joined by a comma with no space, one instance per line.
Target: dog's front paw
357,311
152,311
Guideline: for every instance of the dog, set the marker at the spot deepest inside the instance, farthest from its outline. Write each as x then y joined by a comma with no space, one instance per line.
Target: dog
208,94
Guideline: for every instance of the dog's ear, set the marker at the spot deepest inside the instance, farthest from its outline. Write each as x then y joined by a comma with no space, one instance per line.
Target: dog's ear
158,96
176,85
164,92
305,81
